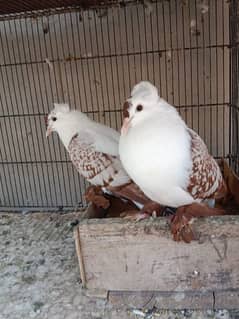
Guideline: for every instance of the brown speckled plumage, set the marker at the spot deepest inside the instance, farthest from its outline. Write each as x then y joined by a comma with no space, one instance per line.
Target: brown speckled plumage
206,179
97,167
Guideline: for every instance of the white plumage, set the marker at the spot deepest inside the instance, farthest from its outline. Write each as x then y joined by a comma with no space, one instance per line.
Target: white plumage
93,147
162,155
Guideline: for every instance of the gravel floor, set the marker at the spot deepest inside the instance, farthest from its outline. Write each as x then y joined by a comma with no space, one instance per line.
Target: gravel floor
39,275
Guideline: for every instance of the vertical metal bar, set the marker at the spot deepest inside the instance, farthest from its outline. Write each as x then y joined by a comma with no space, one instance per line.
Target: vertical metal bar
38,104
59,87
230,79
111,69
231,35
217,92
127,46
133,44
172,53
87,63
68,186
165,53
121,53
78,29
105,68
191,66
47,98
159,53
58,37
198,90
6,195
65,57
117,73
98,59
69,166
177,52
223,82
73,32
234,109
152,44
140,47
210,77
204,76
33,103
56,179
77,187
2,170
32,156
93,64
146,45
184,66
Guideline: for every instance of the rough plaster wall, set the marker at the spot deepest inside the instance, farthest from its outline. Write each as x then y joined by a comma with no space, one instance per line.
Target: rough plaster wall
96,58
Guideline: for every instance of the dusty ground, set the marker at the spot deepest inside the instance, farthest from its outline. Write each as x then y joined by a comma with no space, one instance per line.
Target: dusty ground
39,275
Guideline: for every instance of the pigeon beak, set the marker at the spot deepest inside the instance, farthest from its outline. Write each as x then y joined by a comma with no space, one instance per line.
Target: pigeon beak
48,131
125,126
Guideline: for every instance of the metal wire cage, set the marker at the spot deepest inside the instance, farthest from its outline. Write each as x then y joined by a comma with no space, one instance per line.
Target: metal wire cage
91,57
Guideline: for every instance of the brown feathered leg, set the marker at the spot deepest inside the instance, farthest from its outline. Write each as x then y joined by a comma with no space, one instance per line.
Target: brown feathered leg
180,223
130,192
95,195
134,194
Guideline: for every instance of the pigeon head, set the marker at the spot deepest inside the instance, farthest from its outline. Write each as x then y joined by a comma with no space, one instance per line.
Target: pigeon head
57,118
65,122
144,98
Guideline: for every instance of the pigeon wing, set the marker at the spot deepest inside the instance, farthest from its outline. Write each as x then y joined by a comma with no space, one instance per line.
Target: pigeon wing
98,167
206,179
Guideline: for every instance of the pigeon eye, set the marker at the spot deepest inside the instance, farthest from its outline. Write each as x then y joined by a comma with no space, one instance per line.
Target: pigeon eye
54,119
139,108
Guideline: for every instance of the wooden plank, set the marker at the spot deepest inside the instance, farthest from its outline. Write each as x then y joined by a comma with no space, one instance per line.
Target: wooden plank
175,300
79,256
122,255
161,300
226,299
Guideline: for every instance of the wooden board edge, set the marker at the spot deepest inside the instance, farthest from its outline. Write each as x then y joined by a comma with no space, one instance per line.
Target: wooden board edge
80,255
161,300
195,300
226,299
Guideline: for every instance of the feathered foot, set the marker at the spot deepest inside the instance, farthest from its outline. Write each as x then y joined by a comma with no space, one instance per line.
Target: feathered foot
130,192
149,209
95,195
134,215
181,222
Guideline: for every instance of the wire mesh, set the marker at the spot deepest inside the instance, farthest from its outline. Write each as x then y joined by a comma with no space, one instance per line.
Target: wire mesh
91,59
234,109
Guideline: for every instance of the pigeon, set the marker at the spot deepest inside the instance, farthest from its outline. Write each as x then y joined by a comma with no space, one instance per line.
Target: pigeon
93,150
165,158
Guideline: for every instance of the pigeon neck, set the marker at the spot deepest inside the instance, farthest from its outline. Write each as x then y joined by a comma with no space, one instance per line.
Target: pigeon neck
66,136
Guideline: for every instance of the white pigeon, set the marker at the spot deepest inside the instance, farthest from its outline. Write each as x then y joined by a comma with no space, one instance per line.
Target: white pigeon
166,159
93,149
